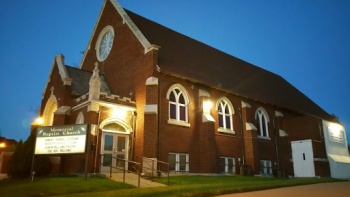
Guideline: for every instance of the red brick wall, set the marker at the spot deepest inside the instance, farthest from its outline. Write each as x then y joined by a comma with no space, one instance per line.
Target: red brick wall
192,138
208,149
175,138
126,68
151,124
250,140
321,163
62,92
302,127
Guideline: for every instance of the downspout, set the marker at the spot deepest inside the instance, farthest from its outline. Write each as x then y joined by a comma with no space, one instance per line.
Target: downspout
133,138
242,128
98,135
276,145
158,117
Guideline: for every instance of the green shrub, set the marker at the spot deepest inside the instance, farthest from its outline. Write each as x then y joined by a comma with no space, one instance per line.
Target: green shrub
13,167
20,164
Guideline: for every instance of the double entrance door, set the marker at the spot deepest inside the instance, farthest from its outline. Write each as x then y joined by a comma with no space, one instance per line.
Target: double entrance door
303,158
114,151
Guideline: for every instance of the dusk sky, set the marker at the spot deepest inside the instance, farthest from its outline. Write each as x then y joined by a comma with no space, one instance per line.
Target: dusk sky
307,42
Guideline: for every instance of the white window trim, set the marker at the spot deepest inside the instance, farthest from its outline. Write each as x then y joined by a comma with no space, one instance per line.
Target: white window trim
267,171
80,118
222,130
226,164
264,138
178,107
49,110
177,121
231,111
99,40
177,164
260,112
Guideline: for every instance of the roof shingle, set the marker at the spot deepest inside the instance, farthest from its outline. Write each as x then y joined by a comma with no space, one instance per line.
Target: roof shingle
184,56
81,79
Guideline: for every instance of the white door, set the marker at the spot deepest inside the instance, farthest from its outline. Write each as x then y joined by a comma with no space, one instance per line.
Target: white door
114,152
303,158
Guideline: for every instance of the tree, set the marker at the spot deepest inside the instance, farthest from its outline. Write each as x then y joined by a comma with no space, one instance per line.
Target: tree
13,167
21,161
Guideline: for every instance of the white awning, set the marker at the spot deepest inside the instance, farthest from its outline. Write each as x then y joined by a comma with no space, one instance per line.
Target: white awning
340,158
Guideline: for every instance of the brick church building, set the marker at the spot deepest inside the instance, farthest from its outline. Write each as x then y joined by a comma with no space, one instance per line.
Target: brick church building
146,90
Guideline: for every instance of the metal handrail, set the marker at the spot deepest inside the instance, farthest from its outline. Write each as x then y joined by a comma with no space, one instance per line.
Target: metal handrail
123,168
139,167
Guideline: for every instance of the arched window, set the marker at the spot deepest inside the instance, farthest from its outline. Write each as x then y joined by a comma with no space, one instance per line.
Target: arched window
80,118
178,104
49,110
114,127
263,119
225,111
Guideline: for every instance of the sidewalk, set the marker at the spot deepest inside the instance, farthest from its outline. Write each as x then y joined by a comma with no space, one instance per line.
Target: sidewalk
335,189
3,176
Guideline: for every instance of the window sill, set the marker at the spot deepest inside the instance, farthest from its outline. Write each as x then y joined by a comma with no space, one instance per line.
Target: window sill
179,172
228,173
264,175
264,138
179,123
227,131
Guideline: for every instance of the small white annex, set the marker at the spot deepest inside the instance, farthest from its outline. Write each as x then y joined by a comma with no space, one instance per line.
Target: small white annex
337,150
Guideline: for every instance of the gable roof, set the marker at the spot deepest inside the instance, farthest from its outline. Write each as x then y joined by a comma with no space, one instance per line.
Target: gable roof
196,61
80,81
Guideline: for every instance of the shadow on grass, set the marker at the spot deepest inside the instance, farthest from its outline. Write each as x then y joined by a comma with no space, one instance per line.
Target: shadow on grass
179,186
58,186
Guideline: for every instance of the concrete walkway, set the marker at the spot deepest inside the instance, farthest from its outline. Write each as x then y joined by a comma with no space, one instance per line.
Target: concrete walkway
336,189
132,179
3,176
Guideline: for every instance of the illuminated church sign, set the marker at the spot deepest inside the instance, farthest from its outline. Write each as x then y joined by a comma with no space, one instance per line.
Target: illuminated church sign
61,139
336,134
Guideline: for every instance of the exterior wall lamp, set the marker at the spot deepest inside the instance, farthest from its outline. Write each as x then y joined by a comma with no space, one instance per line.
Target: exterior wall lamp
207,105
206,117
2,145
118,113
38,121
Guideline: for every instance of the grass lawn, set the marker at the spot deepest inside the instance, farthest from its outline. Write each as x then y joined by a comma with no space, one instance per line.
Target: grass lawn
57,186
179,186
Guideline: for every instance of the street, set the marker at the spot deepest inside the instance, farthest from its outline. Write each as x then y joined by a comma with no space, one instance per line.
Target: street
338,189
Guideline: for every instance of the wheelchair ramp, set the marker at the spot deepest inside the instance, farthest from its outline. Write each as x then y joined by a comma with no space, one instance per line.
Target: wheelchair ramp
133,179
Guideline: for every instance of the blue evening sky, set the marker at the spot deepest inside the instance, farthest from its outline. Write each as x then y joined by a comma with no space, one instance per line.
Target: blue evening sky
305,41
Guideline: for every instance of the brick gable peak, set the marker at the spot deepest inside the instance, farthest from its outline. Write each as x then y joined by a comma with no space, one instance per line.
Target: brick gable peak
126,19
139,35
59,61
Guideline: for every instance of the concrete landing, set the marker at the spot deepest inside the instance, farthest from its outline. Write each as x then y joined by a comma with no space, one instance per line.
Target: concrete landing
132,179
3,176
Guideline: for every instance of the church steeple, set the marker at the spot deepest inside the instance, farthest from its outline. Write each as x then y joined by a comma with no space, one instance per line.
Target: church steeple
95,84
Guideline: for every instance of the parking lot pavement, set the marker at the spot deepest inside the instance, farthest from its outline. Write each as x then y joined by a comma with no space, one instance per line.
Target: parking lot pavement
336,189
